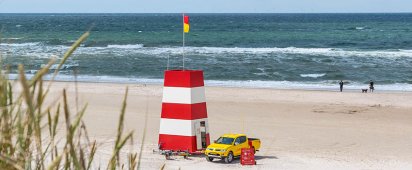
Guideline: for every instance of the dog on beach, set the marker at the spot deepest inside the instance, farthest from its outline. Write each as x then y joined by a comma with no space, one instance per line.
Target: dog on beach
364,90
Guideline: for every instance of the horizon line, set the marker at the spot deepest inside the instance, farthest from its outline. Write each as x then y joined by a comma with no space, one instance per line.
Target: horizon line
206,12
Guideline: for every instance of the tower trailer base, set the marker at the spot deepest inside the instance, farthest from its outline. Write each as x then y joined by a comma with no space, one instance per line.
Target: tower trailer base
185,153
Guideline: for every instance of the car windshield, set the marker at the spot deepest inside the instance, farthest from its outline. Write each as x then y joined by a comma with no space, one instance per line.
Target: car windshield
225,140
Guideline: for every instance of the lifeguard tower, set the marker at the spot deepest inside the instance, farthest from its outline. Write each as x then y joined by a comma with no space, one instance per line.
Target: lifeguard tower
183,123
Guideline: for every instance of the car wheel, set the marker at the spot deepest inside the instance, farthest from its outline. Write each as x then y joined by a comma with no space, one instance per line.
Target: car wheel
209,159
229,157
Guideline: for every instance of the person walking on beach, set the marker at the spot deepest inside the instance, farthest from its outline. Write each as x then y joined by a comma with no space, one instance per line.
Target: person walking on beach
341,85
371,88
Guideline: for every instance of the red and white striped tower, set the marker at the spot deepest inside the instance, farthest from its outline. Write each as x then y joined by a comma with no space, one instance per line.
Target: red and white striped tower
183,123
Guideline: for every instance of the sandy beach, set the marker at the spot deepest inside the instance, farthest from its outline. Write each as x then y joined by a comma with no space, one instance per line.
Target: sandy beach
299,129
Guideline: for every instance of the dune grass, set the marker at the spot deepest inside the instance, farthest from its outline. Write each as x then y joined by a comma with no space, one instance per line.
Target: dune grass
29,135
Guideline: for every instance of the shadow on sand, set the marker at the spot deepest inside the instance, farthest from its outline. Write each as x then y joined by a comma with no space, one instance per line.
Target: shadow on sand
257,157
218,161
237,160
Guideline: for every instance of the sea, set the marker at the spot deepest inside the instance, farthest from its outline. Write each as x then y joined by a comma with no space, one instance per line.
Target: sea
284,51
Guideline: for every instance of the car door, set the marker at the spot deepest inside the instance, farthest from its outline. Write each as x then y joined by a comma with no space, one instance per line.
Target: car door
243,142
237,146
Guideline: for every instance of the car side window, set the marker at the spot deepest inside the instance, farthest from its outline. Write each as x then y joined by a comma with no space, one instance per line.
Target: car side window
238,140
242,139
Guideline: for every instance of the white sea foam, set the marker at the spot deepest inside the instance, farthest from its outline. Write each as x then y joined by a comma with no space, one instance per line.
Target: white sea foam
289,50
38,49
321,85
11,38
313,75
64,66
21,44
31,71
128,46
89,78
303,51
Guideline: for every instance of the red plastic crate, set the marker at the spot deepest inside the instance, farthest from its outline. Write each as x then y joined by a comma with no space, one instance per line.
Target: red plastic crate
247,156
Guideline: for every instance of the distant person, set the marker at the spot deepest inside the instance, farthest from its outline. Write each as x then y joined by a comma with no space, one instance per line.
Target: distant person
341,85
371,88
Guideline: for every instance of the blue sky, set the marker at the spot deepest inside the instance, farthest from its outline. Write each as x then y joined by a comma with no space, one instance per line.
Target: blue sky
203,6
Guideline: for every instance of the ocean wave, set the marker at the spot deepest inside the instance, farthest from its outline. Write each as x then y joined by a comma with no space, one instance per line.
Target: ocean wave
314,85
332,52
91,78
256,51
303,51
38,49
63,67
313,75
11,38
318,85
358,28
128,46
21,44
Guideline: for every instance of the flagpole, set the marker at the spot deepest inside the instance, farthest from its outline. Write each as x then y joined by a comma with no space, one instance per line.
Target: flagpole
183,32
167,67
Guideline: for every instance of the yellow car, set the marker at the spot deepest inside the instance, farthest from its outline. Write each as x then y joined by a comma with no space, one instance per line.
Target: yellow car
229,146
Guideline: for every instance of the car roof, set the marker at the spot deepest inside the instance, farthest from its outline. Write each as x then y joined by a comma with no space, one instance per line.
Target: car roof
233,135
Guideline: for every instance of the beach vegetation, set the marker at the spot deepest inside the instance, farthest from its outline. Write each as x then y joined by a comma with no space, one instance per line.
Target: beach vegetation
35,134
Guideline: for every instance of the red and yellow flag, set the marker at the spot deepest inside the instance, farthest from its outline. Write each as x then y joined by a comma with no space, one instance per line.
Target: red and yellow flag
186,24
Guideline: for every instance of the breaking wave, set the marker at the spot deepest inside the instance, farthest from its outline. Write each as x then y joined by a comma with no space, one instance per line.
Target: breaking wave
313,75
320,85
128,46
38,49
